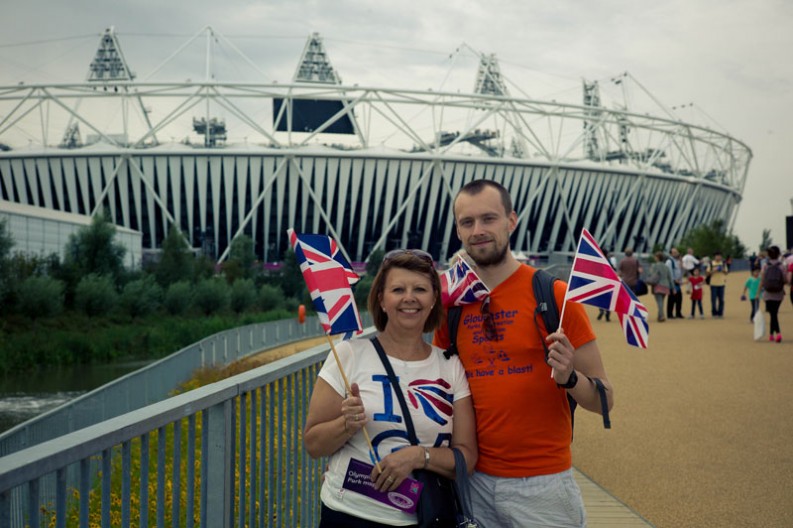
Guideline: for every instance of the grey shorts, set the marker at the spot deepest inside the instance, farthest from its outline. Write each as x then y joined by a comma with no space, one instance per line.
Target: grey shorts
542,501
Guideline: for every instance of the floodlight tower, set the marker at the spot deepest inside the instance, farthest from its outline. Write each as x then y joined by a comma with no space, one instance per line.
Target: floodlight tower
109,63
593,113
315,66
489,80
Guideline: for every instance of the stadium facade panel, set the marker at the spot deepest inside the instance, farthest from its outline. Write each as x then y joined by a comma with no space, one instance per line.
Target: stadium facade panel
365,200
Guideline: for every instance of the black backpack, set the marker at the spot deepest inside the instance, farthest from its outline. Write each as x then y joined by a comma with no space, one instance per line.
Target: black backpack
774,278
542,284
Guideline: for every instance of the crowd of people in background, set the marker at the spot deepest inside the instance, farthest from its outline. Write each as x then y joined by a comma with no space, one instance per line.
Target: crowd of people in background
670,277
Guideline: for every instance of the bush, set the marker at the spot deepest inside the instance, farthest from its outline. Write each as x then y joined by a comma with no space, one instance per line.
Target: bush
271,297
40,297
211,296
243,295
361,292
95,295
178,298
140,297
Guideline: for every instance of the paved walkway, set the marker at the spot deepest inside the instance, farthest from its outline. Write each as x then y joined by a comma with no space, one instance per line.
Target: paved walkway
605,510
701,427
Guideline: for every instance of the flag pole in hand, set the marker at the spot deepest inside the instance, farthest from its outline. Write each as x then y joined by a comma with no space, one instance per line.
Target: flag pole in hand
328,277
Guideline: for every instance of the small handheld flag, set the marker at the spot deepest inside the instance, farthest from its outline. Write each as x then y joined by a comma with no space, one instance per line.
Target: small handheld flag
461,285
328,277
593,281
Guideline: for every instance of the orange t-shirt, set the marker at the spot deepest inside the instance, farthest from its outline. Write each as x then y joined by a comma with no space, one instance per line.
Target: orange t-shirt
522,417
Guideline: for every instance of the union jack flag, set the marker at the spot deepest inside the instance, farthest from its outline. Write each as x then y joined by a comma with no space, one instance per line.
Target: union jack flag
593,281
636,330
328,277
461,285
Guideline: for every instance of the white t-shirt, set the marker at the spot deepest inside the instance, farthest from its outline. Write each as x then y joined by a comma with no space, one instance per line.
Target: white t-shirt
689,261
430,387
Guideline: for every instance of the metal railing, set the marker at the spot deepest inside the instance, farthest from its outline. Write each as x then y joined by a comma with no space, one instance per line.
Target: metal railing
227,454
157,381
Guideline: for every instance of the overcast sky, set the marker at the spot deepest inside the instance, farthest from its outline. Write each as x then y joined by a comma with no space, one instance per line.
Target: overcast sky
730,58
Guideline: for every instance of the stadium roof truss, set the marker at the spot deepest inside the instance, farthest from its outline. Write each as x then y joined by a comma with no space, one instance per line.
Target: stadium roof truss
400,154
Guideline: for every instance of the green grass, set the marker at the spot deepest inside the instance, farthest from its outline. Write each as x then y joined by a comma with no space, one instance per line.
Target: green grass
73,339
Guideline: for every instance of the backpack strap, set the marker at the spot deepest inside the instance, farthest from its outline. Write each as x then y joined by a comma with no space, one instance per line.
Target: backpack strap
543,285
453,322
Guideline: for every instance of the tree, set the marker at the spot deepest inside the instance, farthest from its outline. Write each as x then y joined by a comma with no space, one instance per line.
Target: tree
40,297
140,297
95,295
707,239
93,249
176,261
766,241
291,282
243,295
211,296
6,243
242,253
374,262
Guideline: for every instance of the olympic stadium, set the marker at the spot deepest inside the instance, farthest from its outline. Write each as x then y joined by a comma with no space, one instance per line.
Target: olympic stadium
373,167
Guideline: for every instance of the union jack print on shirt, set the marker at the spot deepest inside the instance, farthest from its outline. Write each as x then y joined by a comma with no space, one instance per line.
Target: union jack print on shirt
461,285
435,398
328,277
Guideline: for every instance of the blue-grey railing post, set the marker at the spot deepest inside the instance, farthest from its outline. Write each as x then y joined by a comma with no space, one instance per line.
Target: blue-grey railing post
218,455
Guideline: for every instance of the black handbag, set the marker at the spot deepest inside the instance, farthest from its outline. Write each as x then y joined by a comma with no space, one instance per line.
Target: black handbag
437,507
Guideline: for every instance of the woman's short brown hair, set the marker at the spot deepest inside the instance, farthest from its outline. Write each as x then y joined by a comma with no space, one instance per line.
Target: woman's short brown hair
411,262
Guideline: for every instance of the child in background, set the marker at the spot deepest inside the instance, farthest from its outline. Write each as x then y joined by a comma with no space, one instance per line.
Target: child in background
752,286
695,281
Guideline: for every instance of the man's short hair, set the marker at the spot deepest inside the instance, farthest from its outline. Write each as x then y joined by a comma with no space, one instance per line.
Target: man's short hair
476,186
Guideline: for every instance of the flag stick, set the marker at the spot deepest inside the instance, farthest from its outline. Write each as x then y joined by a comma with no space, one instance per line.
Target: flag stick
569,277
349,391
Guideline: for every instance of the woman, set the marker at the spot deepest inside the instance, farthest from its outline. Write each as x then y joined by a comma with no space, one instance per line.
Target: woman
405,303
773,299
661,279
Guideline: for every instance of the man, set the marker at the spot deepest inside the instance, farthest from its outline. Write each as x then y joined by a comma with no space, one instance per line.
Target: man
717,272
674,302
689,261
523,418
629,269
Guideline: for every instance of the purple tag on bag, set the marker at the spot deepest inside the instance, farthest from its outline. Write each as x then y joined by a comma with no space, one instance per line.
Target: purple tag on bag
404,498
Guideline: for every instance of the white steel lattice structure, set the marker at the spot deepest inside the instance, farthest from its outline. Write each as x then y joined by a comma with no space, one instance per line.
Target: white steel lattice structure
373,167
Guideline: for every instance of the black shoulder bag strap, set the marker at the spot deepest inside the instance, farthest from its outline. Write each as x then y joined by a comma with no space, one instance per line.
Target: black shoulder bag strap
395,385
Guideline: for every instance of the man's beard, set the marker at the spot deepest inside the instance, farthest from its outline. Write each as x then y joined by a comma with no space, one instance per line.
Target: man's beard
497,256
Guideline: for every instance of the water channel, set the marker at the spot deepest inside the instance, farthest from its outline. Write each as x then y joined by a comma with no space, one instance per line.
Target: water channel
25,396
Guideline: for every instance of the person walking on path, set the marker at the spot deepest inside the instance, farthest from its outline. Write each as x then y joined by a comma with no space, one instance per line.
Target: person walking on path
661,279
689,261
773,279
674,304
717,273
523,419
695,282
752,287
629,269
